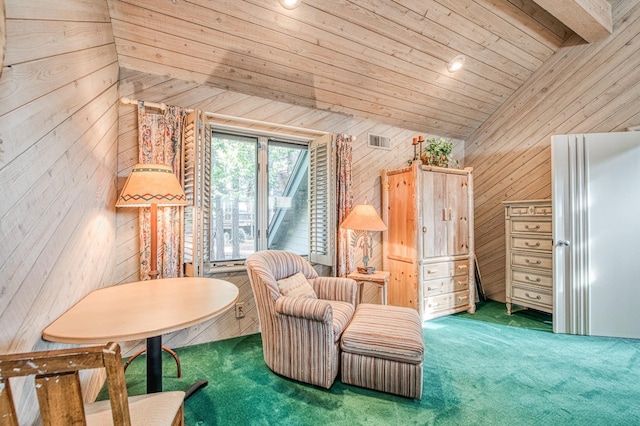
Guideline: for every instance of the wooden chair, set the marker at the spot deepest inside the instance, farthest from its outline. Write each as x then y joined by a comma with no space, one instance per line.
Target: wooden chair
59,394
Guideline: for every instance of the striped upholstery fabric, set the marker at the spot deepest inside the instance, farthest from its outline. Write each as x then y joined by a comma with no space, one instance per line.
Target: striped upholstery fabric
383,349
300,336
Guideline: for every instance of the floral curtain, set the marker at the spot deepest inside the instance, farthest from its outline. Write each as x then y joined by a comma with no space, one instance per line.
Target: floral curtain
159,142
344,201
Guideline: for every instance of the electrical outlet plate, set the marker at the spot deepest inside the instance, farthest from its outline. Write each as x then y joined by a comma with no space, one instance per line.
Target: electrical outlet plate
240,310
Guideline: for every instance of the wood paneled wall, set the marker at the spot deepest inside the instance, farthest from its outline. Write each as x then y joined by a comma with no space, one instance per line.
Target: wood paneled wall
63,135
58,150
366,173
582,88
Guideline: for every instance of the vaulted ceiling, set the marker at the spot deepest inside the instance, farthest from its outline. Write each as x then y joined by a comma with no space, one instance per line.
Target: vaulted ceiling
378,59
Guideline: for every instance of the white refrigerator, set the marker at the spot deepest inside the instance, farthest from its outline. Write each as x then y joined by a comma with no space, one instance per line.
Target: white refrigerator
596,234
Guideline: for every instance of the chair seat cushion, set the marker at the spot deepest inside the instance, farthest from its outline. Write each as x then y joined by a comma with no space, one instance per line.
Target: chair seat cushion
386,332
342,313
149,409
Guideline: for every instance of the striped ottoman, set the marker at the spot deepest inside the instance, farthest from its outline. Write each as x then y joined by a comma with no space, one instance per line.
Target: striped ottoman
383,349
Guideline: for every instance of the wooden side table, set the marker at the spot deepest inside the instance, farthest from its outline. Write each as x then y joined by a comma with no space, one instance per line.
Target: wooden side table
379,278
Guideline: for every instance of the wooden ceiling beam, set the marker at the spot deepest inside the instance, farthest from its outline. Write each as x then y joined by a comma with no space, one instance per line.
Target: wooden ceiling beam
590,19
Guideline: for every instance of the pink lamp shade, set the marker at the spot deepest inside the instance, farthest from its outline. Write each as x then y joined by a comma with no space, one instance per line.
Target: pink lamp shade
151,184
363,217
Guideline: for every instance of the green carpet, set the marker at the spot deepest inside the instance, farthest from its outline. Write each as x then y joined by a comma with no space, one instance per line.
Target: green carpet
481,369
495,312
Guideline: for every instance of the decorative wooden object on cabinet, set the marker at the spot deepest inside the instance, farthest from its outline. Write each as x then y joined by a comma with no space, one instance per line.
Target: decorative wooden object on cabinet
529,275
428,246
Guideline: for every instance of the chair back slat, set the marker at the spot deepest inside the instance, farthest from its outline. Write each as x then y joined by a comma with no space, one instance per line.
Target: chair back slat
8,416
116,384
60,399
51,362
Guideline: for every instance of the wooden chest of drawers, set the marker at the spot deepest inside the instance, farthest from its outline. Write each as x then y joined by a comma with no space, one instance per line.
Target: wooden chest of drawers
445,287
529,263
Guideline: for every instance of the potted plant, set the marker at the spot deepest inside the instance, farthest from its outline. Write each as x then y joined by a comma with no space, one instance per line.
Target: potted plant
437,152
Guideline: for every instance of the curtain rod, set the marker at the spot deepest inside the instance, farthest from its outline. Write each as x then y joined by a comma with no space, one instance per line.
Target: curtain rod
264,123
163,107
128,101
255,131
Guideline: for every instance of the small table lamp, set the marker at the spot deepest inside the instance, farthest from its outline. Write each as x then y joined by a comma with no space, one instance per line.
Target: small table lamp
363,219
152,185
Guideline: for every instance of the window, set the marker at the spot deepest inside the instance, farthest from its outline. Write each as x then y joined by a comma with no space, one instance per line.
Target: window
234,197
288,186
251,192
259,196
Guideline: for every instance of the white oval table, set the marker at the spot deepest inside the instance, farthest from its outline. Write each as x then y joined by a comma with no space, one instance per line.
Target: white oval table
143,310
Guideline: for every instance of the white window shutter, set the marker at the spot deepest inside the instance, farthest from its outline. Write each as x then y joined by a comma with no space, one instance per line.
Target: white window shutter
197,187
322,204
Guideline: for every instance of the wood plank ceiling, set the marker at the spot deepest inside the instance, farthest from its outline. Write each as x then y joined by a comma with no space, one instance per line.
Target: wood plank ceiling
381,60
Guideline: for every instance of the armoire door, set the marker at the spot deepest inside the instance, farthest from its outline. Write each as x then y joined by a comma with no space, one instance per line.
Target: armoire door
458,212
401,246
434,232
445,228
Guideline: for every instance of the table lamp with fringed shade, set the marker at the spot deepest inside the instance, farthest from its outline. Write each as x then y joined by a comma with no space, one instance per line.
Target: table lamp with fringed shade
152,185
363,219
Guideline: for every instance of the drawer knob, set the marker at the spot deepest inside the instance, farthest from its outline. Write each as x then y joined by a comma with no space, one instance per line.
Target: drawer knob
537,280
532,228
528,244
531,297
528,262
462,267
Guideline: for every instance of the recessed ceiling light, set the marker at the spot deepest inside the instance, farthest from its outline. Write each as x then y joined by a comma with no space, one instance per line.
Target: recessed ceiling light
289,4
456,63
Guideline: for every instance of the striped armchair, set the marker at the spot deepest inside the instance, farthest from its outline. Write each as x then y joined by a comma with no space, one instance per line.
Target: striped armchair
300,335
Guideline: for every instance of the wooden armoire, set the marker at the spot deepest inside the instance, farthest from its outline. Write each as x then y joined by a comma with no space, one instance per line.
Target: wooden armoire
428,245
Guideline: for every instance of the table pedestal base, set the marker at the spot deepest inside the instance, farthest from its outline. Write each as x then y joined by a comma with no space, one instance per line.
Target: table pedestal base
194,387
154,364
154,369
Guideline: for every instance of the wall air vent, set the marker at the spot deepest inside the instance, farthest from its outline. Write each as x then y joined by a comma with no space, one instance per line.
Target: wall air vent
378,141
